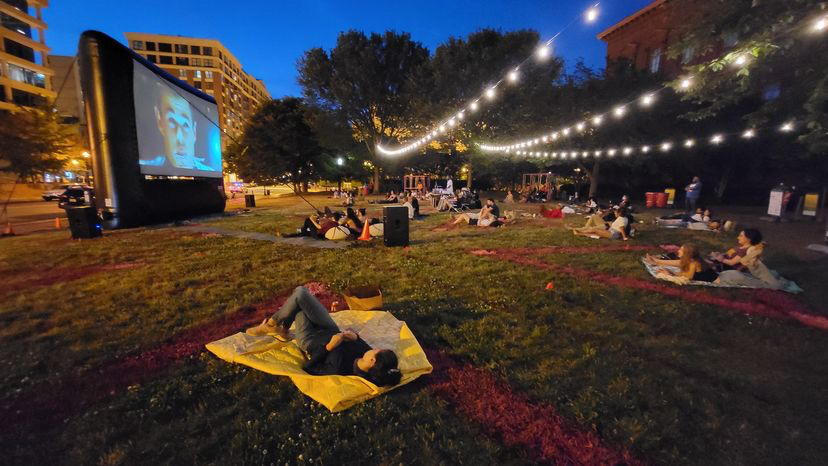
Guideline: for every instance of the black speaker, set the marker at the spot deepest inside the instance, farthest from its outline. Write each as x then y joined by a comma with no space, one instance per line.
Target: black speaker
83,222
395,228
250,200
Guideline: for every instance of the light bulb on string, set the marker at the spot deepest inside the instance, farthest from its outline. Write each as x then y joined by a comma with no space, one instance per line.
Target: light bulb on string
554,136
451,122
513,75
628,150
597,120
717,139
442,128
584,154
647,100
611,152
580,126
686,83
460,115
645,149
666,146
689,143
749,134
544,51
741,60
591,14
565,131
597,153
821,24
490,93
619,111
787,127
474,106
545,139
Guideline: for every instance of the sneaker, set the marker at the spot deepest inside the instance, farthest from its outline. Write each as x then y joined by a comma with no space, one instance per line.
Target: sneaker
266,329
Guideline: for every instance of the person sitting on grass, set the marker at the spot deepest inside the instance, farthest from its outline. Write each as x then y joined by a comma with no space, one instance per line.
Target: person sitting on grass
352,221
510,198
591,205
363,217
317,226
616,230
557,212
331,350
392,198
413,205
690,264
744,266
487,216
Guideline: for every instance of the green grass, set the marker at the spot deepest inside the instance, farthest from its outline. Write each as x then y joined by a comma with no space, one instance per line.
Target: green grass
675,382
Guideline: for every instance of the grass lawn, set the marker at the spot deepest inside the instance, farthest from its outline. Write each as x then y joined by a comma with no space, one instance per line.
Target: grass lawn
667,378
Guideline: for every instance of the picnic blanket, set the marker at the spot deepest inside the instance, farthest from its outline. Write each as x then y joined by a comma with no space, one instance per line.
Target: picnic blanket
790,287
379,329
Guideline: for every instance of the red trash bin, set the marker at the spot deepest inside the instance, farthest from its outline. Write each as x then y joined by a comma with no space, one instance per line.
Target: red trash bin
650,198
661,199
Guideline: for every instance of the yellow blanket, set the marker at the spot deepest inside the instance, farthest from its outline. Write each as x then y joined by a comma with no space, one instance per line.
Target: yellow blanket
379,329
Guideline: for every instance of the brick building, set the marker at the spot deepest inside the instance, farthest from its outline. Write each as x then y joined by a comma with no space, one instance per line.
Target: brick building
643,38
25,78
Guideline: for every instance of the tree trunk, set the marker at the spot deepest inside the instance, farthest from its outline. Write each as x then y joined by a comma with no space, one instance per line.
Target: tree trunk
593,178
722,185
376,180
304,186
469,182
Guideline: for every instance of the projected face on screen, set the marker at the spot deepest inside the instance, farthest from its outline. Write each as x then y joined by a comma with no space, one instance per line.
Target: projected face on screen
176,133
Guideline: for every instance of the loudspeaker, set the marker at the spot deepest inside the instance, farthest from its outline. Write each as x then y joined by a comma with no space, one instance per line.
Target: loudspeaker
395,220
250,200
83,222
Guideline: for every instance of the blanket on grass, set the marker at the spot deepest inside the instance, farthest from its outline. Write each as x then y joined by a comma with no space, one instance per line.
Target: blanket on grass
336,392
654,269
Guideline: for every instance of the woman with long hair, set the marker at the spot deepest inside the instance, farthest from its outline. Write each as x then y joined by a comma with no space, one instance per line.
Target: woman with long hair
690,264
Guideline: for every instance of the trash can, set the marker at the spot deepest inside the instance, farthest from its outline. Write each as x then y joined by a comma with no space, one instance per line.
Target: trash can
661,199
250,200
650,199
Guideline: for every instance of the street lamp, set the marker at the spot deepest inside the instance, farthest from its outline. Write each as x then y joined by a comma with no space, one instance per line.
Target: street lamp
340,161
86,154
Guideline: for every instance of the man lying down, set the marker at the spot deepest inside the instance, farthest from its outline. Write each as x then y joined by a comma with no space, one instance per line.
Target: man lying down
331,351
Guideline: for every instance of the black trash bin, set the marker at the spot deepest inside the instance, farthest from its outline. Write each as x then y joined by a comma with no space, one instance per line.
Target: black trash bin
250,200
84,222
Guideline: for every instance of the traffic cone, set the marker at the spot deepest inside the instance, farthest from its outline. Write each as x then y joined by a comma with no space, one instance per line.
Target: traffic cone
9,231
57,223
366,233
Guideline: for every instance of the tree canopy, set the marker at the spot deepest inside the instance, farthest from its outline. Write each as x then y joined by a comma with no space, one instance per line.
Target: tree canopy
33,141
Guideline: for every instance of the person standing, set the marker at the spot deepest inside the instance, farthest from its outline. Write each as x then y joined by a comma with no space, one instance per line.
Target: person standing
693,191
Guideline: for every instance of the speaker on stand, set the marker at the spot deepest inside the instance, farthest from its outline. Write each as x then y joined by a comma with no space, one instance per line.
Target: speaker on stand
395,225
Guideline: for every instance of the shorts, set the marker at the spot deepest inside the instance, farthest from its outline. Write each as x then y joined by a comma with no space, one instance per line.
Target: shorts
484,222
615,234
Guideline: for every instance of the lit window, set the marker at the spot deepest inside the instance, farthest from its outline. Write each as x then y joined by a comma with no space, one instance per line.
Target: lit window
687,54
138,45
182,74
198,74
208,75
655,61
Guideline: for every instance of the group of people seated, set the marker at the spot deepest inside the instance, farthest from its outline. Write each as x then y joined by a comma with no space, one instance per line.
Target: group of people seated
739,266
463,200
488,216
616,224
536,192
316,226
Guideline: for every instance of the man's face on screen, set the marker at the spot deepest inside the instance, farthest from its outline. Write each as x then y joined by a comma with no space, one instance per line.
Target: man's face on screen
177,127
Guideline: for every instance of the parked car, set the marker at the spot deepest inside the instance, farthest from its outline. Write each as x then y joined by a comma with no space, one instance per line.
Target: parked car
75,196
54,193
237,187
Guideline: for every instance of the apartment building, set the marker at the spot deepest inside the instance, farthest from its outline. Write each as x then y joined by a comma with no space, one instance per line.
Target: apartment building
206,65
25,78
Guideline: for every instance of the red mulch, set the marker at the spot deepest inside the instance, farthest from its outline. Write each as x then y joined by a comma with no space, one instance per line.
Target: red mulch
535,428
25,280
767,303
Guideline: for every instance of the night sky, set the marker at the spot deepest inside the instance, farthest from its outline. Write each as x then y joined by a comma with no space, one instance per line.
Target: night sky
269,36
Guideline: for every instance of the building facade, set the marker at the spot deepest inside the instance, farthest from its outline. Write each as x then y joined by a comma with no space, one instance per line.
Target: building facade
643,38
206,65
25,77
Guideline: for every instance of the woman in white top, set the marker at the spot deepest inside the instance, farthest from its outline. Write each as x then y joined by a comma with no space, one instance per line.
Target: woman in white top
616,230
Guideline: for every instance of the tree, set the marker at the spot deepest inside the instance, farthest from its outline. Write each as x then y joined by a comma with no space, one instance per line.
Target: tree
33,141
278,145
368,80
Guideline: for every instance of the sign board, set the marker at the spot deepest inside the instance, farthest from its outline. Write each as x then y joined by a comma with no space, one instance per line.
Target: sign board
775,203
810,205
671,196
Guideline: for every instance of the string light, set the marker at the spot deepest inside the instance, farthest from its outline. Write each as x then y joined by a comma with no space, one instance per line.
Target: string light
689,143
647,100
749,134
592,14
513,76
666,146
787,127
619,111
717,139
821,24
741,60
686,83
597,120
490,93
628,150
543,52
645,149
580,126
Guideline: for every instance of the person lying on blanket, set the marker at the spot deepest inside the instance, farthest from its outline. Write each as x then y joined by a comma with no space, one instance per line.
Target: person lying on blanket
690,264
488,216
616,230
331,350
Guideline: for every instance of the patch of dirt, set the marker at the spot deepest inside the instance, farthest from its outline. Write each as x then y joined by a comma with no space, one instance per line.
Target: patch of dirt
24,280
